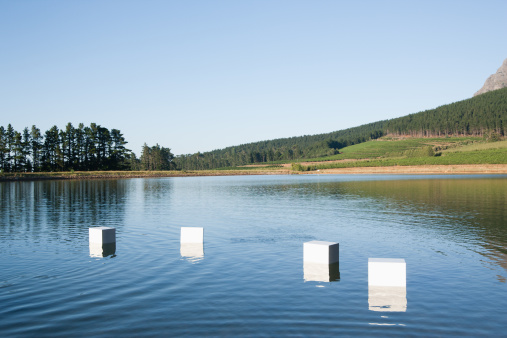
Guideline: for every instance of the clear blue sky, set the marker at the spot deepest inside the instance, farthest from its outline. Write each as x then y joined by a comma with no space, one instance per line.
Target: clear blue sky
203,75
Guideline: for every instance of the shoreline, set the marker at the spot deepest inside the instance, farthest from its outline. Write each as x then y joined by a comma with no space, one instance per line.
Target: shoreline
91,175
478,169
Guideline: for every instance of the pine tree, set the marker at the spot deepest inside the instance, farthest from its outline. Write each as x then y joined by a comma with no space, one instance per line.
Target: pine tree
26,142
3,150
68,142
51,150
80,146
119,152
19,159
36,147
9,138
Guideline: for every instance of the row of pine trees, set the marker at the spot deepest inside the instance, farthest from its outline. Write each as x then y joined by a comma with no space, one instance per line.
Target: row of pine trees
78,148
74,148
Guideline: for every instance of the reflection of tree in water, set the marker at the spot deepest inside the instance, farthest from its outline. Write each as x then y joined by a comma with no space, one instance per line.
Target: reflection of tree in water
59,210
157,188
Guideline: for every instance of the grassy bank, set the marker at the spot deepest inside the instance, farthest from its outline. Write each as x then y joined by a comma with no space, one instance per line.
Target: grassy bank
135,174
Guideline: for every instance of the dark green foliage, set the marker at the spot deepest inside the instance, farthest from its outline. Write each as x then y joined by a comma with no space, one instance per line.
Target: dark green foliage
82,148
477,116
299,167
35,148
156,158
492,136
3,150
426,151
296,167
474,117
9,151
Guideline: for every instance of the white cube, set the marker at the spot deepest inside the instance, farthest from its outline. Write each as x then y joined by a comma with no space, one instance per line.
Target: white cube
192,235
102,235
321,252
387,272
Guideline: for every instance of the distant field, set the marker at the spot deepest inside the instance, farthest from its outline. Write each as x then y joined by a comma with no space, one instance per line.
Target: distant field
408,152
387,148
478,147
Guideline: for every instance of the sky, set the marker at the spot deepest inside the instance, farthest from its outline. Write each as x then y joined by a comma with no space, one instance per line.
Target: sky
202,75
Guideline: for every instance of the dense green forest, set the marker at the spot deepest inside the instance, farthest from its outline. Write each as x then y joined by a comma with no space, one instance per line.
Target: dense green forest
82,148
477,116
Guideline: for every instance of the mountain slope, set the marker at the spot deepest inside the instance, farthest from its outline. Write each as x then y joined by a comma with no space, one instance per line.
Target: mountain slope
495,81
472,117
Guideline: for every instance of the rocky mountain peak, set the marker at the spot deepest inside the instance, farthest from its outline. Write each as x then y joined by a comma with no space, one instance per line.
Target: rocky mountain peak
495,81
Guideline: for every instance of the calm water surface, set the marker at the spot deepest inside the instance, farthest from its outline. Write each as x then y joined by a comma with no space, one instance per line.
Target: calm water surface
249,278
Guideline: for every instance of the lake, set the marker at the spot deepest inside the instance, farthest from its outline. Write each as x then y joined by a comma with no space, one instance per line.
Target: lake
248,277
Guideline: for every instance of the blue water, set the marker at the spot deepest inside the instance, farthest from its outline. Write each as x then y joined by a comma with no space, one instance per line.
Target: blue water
451,231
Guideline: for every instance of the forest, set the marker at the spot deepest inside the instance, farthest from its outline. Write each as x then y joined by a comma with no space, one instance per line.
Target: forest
83,148
477,116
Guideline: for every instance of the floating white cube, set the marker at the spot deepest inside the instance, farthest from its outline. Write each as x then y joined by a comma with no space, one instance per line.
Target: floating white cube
314,272
387,298
192,251
387,272
321,252
192,235
102,235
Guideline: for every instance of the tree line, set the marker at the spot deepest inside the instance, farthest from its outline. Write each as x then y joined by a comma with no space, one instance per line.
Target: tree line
81,148
97,148
73,148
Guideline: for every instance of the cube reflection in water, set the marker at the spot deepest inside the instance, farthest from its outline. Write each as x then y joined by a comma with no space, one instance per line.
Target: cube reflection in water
387,298
102,250
315,272
192,252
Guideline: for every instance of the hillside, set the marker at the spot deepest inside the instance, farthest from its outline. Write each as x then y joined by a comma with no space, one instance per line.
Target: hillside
477,116
387,152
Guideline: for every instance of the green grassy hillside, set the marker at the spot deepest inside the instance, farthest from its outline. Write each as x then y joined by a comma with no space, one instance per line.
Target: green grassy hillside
416,151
